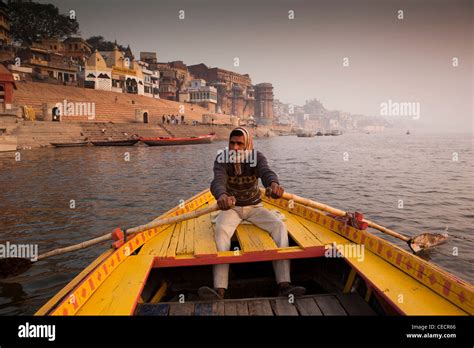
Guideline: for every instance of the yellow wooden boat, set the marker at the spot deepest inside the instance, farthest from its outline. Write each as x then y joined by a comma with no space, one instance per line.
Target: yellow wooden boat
158,271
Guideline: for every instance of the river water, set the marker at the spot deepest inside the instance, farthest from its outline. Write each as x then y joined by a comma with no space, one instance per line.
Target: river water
57,197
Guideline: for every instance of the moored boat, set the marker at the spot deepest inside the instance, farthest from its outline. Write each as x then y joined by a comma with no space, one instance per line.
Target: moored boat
126,142
166,141
347,271
71,144
305,133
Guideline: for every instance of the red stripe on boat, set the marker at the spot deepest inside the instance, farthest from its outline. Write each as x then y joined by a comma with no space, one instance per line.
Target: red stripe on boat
446,288
421,268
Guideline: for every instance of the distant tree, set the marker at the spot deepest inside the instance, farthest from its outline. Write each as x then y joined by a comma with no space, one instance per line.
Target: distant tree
31,22
99,43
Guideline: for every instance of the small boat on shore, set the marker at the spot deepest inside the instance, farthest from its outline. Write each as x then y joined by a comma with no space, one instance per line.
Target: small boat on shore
346,270
167,141
305,133
126,142
72,144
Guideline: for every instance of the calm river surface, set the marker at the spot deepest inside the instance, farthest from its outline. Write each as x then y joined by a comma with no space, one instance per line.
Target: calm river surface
381,169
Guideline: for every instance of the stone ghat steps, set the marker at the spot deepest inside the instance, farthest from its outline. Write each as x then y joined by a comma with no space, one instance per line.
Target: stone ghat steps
107,108
37,134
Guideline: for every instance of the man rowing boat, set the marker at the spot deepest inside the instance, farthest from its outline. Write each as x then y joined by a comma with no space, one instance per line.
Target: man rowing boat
235,187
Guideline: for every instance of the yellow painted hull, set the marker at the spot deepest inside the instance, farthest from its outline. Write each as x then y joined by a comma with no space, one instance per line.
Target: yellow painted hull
113,283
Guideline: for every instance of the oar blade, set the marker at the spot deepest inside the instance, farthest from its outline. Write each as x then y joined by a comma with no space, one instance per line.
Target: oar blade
13,266
427,240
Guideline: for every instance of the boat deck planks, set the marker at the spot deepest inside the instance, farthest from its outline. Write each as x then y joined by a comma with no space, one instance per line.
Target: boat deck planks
252,238
282,306
203,309
325,235
317,305
184,309
173,243
355,305
156,244
298,232
260,307
119,293
186,238
307,306
155,309
330,305
209,308
204,243
235,308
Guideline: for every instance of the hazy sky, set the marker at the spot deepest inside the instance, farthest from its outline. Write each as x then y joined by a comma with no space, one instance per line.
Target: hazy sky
407,60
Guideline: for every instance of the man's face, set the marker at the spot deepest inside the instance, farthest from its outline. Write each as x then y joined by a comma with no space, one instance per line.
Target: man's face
237,143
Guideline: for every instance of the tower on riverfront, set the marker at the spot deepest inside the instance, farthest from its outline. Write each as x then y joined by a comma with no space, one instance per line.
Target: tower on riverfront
264,103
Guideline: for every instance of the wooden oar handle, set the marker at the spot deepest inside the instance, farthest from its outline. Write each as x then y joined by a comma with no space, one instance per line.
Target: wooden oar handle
75,247
338,212
387,231
313,204
141,228
174,219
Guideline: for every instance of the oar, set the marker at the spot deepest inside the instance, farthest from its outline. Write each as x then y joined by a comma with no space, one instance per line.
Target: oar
12,266
417,243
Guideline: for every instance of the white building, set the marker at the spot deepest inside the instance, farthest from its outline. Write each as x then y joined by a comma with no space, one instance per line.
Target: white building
97,74
151,81
112,71
203,95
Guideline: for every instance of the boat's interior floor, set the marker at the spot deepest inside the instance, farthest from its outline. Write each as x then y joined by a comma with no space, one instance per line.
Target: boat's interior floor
321,304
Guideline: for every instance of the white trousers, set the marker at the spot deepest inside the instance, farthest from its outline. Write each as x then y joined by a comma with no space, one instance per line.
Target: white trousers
226,223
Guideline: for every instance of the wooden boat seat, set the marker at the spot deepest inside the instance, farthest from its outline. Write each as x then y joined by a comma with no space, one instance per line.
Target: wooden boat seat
119,293
253,239
195,237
